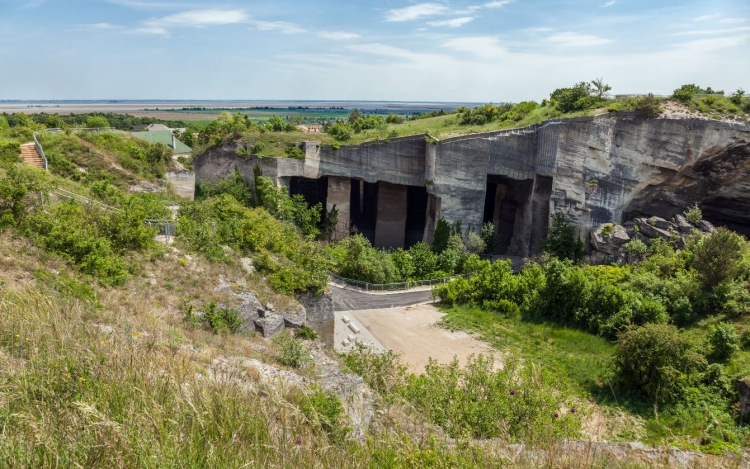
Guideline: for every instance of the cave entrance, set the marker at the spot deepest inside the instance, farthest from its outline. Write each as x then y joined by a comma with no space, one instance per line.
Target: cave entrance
505,205
313,190
363,203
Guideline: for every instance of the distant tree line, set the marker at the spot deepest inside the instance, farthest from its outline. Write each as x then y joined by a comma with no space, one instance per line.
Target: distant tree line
118,121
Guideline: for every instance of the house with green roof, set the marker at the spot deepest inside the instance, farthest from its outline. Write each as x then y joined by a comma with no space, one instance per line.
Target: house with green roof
167,138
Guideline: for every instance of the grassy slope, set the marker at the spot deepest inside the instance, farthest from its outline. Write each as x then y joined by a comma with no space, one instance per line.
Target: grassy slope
584,361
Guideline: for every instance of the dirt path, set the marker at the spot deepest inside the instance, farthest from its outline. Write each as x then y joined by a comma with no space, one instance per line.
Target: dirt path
413,332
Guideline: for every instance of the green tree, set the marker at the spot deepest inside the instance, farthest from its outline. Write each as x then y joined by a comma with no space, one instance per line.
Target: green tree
276,124
723,340
425,261
490,237
440,238
353,116
394,119
737,96
717,257
340,131
651,360
600,88
577,98
97,122
647,107
562,241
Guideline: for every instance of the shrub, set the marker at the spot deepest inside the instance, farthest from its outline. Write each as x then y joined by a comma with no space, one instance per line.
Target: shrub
490,237
394,119
293,151
717,257
561,240
694,215
475,244
514,404
291,352
221,319
737,96
635,247
440,238
340,131
306,333
651,359
647,107
723,340
383,372
425,261
97,122
324,409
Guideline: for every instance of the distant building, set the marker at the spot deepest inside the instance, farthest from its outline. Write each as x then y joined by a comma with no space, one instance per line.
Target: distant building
167,138
311,129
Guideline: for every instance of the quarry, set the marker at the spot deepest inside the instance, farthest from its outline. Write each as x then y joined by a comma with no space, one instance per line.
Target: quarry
595,170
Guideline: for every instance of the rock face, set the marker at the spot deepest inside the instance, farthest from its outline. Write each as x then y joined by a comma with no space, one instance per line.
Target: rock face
744,391
320,315
595,170
270,324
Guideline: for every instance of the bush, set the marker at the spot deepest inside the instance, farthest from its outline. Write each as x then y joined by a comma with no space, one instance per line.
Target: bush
717,257
723,340
293,151
635,247
694,215
425,261
324,409
394,119
647,107
97,122
561,240
383,372
490,237
340,131
651,359
306,333
440,238
291,352
221,319
517,403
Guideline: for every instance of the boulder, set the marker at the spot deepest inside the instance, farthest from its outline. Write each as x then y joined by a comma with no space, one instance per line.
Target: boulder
707,226
600,243
270,325
646,240
679,243
683,226
294,319
653,231
619,236
658,222
250,310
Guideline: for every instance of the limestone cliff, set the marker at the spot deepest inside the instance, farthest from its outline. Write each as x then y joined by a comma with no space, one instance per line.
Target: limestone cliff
594,169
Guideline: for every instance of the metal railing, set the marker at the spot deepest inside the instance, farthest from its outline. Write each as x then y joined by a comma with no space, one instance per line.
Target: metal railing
41,152
165,228
400,286
83,200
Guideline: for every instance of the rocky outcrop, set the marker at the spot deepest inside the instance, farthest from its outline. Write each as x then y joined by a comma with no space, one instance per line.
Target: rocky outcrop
609,241
320,314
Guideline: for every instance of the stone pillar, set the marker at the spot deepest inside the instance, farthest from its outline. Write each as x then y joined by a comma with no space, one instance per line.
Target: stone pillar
390,228
339,193
319,315
433,215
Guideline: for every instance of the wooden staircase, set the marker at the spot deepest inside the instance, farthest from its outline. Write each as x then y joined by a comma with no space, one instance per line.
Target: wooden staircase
31,156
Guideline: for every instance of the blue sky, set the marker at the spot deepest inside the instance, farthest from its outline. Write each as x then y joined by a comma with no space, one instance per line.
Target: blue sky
366,50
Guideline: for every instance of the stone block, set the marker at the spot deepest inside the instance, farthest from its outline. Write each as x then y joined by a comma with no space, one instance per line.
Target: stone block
294,319
270,325
600,243
658,222
654,232
619,236
707,226
683,226
248,311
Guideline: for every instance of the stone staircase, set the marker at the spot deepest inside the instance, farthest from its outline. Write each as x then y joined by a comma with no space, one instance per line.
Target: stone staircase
31,155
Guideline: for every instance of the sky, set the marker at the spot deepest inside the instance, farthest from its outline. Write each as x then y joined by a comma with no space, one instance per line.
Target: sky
396,50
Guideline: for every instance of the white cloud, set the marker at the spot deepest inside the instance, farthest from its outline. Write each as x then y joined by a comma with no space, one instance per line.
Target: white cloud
732,20
191,19
453,23
337,35
415,12
497,4
609,3
283,26
570,39
482,46
706,17
713,44
99,27
711,32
